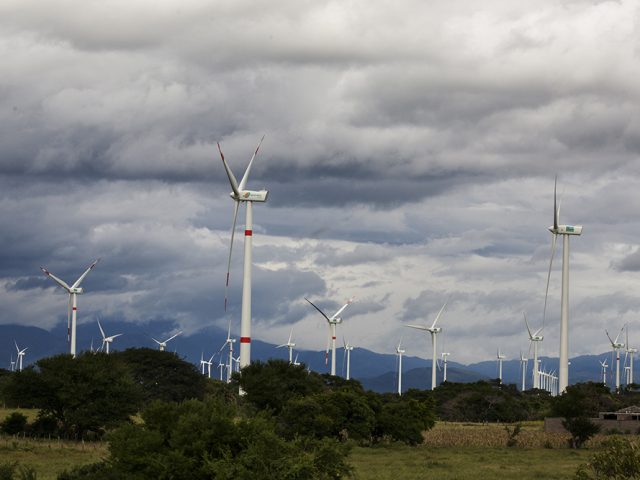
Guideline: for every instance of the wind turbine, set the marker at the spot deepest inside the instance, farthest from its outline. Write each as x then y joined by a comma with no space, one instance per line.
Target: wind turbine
21,354
523,368
444,365
604,371
295,361
163,344
399,352
333,321
566,231
500,357
229,341
241,194
534,338
433,330
347,350
13,364
221,367
630,352
289,346
106,340
616,349
73,291
202,362
208,363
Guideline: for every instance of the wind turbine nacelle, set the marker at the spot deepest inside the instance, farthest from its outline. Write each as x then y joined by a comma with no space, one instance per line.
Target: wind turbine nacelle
251,196
435,330
77,290
336,320
567,230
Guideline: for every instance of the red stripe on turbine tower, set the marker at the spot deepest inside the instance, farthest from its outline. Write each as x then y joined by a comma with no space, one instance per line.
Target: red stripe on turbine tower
75,308
248,233
245,339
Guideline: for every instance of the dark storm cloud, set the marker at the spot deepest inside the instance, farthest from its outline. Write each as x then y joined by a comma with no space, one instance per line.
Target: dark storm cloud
630,263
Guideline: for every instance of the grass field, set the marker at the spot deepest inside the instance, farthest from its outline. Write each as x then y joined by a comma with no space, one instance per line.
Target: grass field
451,451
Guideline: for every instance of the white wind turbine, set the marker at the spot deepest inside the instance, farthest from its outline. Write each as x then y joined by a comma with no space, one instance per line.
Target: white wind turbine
523,369
604,371
73,291
333,321
534,338
21,354
209,363
295,361
347,350
229,341
399,352
203,362
444,365
162,345
566,231
106,341
241,194
499,357
289,346
433,330
631,352
13,364
221,367
616,346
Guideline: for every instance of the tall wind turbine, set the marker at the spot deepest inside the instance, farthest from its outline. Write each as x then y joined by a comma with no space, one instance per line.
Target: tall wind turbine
616,346
604,371
534,338
500,357
21,354
106,341
399,352
73,291
163,344
523,369
333,321
433,330
444,365
630,351
241,194
289,346
347,350
566,231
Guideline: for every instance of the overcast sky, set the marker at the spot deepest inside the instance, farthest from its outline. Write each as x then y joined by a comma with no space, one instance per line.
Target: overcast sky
410,155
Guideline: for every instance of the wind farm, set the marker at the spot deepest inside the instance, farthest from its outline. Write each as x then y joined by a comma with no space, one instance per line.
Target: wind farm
404,156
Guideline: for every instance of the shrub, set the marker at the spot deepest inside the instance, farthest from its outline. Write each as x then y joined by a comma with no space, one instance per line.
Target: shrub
14,424
405,420
620,460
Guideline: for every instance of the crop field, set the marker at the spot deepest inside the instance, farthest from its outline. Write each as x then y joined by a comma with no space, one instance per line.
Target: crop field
450,451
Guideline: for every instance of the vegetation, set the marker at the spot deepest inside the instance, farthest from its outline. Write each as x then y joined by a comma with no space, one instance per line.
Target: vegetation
620,460
576,405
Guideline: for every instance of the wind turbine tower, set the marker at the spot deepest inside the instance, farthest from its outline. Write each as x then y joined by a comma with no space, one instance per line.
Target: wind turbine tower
523,370
240,194
73,291
433,330
604,371
534,339
289,346
566,231
444,365
399,352
347,350
334,320
616,346
500,357
631,352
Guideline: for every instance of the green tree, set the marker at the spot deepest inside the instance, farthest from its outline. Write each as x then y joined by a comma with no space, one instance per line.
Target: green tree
404,420
619,459
163,375
86,394
576,405
15,423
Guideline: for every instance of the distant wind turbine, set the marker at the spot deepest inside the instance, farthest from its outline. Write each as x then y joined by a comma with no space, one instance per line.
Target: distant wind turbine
616,346
444,355
399,352
604,371
106,341
334,320
347,351
162,345
523,369
73,291
240,194
534,339
289,346
21,354
433,330
500,357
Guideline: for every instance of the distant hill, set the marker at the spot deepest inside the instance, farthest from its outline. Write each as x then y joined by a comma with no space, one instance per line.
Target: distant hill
376,371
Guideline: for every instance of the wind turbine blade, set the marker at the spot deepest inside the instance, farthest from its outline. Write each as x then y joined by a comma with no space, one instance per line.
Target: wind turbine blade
69,309
349,302
555,205
245,177
159,343
101,330
233,234
419,327
232,178
399,345
546,292
290,335
86,272
321,312
116,336
171,338
609,337
17,349
59,281
438,316
527,325
618,336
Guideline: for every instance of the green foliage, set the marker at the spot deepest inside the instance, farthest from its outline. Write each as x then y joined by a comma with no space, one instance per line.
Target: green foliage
85,394
581,430
269,385
404,420
14,423
619,460
202,440
13,471
583,400
163,375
